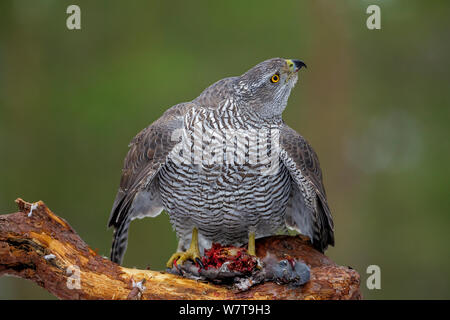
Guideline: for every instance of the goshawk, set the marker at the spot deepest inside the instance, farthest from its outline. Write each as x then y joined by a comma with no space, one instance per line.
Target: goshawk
226,168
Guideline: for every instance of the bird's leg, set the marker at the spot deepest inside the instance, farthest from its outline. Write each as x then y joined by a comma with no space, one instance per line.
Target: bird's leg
193,253
251,244
251,249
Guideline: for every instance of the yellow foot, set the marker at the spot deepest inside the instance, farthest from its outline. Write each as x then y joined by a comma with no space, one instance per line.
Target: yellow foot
251,249
181,257
251,244
193,253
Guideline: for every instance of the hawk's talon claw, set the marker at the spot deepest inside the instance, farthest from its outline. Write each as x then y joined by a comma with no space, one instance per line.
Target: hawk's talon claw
193,253
178,258
200,263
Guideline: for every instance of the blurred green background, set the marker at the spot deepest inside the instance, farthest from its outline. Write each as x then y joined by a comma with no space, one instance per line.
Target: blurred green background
373,103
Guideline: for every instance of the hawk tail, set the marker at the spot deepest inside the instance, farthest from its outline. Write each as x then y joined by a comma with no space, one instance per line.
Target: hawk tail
324,236
120,241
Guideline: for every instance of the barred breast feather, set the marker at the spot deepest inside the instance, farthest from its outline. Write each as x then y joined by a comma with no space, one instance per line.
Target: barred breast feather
224,200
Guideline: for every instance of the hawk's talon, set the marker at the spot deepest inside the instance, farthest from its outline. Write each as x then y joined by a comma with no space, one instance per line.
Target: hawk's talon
173,260
200,263
178,258
193,253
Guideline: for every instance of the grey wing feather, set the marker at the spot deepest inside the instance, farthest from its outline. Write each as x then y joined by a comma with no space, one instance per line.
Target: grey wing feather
308,210
138,195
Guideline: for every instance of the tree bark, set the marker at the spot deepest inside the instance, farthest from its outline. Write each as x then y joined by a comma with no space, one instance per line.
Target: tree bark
38,245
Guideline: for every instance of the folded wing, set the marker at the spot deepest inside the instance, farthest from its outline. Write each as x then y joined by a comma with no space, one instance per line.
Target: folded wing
308,210
138,195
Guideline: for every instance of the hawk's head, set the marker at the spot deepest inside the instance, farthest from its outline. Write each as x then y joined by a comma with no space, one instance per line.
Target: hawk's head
266,87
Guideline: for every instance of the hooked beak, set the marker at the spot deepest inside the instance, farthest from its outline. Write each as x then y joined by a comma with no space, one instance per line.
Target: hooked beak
295,65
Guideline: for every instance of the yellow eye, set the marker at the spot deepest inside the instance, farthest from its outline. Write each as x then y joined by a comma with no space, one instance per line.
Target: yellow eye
275,78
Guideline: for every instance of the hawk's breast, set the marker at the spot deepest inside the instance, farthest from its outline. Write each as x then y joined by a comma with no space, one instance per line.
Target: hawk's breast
225,178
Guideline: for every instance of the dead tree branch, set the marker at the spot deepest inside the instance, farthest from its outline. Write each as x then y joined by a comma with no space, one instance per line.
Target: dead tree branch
38,245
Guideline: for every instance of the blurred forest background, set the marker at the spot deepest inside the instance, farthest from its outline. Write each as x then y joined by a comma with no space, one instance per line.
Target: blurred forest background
373,103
